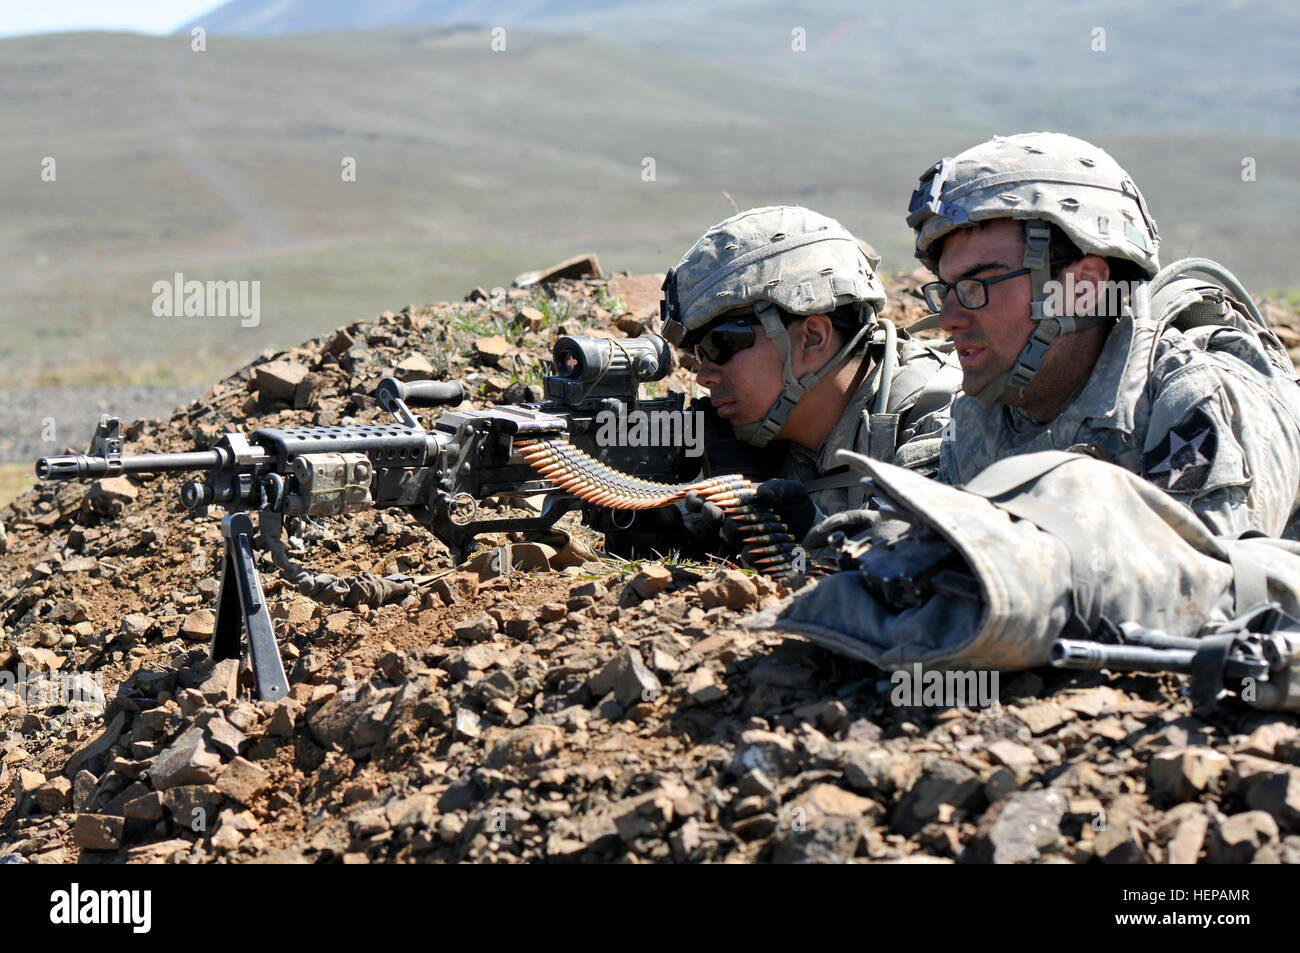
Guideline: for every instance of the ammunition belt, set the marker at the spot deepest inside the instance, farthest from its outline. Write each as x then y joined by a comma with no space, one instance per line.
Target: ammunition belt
767,542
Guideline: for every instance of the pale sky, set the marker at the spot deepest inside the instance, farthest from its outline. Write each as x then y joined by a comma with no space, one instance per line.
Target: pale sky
141,16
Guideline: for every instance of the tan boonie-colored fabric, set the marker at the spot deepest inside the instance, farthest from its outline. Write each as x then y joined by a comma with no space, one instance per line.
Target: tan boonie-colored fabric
1204,415
909,435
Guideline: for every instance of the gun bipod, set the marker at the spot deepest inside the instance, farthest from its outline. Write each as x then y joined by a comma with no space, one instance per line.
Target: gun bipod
241,607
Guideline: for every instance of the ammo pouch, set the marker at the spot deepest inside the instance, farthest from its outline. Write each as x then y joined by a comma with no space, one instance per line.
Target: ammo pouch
1037,547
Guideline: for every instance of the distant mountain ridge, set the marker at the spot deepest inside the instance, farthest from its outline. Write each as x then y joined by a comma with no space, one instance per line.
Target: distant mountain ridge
1162,66
281,17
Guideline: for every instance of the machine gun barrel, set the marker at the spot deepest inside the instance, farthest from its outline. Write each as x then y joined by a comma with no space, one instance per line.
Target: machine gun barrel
81,465
1077,654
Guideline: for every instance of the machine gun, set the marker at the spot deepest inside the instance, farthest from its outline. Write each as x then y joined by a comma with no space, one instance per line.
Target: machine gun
552,449
1257,655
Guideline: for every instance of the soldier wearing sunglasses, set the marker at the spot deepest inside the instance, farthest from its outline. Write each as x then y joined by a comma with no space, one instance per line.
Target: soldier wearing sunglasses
781,307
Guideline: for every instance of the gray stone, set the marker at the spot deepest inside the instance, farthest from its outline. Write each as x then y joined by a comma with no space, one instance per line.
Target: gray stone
1279,795
876,771
1185,846
1235,839
26,783
467,724
194,806
333,722
758,750
1184,773
1017,757
651,581
112,493
225,737
116,804
476,628
500,685
944,782
999,784
223,684
1019,828
823,825
1123,841
285,717
93,755
83,790
418,810
593,590
829,715
460,796
527,745
703,687
136,628
187,761
646,815
627,677
281,381
415,367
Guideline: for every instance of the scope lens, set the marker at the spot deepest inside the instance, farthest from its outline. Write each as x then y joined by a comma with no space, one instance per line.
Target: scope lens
568,363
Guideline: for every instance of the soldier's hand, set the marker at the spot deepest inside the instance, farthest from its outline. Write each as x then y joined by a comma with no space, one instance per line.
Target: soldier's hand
706,522
849,522
790,501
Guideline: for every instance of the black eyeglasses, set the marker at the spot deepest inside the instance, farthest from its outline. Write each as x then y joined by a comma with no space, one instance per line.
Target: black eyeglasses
972,293
724,340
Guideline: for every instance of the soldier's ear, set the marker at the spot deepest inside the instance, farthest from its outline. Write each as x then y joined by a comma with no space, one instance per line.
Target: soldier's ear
1091,269
818,336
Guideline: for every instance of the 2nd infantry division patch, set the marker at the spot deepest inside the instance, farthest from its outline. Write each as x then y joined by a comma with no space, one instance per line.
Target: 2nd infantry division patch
1181,461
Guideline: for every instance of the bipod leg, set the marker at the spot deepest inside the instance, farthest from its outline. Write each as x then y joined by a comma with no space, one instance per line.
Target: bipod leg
241,607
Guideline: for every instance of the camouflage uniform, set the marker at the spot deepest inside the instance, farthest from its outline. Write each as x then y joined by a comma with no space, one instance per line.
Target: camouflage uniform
1191,391
1193,406
1036,545
1213,422
908,434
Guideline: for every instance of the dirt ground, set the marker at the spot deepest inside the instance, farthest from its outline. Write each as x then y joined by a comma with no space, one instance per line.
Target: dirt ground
602,712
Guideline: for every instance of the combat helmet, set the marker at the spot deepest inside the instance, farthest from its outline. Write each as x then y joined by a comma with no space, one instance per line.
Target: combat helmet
780,259
1041,178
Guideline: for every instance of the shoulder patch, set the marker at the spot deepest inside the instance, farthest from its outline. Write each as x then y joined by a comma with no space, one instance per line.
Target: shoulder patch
1181,461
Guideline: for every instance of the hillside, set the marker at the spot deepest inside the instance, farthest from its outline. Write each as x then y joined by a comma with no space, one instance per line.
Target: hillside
598,712
472,164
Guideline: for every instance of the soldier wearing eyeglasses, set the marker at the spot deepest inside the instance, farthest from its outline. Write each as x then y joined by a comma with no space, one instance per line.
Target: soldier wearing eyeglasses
1071,337
781,307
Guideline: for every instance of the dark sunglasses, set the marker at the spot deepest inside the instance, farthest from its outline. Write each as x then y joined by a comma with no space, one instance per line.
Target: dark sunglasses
972,293
723,341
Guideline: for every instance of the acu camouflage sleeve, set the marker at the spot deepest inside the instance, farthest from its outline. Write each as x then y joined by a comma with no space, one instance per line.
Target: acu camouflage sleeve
1224,433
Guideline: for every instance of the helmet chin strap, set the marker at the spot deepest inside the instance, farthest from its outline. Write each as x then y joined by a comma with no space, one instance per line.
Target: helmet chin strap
761,432
1008,386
